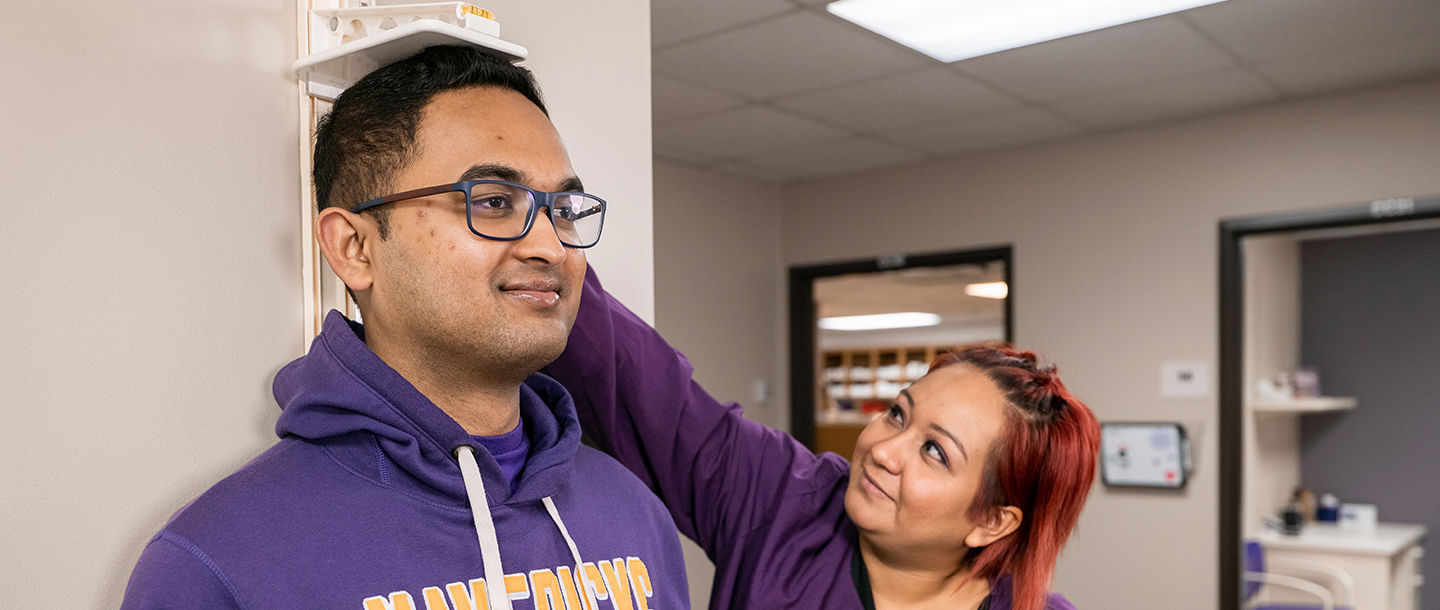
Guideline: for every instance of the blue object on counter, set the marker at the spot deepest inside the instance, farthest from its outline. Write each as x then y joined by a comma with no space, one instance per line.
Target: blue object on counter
1329,509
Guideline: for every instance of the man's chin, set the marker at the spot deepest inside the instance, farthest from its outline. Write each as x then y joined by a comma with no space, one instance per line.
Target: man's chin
539,351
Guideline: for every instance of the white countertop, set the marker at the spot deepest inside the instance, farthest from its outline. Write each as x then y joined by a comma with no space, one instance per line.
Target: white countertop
1384,539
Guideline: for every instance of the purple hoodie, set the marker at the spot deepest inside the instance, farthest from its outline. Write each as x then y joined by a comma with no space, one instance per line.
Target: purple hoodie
768,511
362,506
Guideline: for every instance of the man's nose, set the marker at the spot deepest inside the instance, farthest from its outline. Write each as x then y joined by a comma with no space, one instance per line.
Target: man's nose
542,243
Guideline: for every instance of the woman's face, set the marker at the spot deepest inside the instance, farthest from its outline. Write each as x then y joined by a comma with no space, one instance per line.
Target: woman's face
917,467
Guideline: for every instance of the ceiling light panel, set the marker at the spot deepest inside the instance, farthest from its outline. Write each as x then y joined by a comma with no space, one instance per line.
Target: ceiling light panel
906,319
952,30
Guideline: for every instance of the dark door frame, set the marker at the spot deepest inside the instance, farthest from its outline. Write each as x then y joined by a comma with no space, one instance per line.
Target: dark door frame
802,316
1232,337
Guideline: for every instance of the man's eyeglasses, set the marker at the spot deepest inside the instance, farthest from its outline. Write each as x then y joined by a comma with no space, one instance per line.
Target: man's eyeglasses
505,211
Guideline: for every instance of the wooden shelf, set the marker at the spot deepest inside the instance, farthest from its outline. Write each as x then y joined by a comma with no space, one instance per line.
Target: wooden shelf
836,417
1318,404
859,376
869,374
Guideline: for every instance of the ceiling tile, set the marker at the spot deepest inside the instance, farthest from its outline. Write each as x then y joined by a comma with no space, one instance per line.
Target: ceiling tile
1273,29
763,174
1121,57
929,95
672,21
1170,100
831,158
746,131
683,156
1355,66
674,101
984,133
791,54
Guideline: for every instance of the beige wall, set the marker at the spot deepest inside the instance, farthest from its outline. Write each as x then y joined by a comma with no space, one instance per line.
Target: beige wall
1270,441
150,252
718,296
598,93
718,242
1115,271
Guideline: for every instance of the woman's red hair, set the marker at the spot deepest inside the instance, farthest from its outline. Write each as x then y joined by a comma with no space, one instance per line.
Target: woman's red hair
1044,464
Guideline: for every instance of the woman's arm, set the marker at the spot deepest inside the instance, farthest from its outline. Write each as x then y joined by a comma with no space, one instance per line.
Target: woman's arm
719,474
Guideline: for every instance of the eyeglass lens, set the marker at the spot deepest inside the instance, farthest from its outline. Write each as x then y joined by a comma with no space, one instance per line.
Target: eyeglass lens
499,210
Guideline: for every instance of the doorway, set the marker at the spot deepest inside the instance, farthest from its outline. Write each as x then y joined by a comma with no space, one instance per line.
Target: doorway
1261,417
842,374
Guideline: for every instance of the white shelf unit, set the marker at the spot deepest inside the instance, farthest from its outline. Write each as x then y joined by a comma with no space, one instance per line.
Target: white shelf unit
1317,404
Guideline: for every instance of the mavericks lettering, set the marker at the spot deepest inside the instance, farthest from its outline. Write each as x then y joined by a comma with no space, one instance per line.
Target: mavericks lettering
623,583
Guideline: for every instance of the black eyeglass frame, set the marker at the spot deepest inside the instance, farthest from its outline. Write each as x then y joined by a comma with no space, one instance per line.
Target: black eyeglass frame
541,198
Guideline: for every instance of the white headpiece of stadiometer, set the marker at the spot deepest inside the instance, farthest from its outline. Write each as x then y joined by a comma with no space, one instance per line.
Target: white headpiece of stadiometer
348,43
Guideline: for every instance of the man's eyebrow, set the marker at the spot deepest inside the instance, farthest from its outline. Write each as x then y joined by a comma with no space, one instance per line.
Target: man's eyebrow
510,174
959,445
494,172
571,185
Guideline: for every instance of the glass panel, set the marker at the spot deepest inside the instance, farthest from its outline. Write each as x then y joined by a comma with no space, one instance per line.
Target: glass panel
498,210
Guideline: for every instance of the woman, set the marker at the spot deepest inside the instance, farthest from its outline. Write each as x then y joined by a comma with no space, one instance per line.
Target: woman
960,496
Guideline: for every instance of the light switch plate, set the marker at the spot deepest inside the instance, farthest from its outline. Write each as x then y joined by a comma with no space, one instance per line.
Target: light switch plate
1184,379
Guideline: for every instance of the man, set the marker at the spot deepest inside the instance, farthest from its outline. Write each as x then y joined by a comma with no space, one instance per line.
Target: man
422,462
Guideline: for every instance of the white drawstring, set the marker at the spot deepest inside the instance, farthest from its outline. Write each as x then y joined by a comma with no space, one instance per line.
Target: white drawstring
555,516
585,599
485,530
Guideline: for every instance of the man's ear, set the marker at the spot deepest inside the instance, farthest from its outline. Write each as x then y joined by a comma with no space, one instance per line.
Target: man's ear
347,239
1003,522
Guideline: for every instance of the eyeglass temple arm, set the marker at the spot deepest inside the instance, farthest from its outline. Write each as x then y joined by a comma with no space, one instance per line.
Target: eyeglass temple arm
427,191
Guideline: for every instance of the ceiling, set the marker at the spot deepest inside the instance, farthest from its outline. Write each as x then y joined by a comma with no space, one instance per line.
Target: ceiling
780,90
937,290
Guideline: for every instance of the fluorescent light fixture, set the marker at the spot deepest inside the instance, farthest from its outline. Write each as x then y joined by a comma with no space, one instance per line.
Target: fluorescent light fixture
907,319
988,290
952,30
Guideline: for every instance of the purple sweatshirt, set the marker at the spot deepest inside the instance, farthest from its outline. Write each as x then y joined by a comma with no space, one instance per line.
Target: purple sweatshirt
768,511
362,506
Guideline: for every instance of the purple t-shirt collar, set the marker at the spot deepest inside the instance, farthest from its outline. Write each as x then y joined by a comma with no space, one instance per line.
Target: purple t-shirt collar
509,449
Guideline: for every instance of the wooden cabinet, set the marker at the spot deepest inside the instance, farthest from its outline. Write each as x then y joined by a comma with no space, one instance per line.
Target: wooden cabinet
857,383
851,377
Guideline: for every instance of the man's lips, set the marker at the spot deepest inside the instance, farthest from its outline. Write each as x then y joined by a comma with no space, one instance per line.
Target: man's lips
545,292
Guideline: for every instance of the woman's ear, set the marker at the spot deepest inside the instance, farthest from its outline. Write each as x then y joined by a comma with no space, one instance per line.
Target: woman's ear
1003,522
346,239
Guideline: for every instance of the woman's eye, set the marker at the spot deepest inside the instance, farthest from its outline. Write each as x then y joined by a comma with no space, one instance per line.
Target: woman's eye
933,449
895,414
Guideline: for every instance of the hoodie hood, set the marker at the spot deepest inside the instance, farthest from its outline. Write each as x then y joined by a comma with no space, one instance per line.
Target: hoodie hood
375,497
371,419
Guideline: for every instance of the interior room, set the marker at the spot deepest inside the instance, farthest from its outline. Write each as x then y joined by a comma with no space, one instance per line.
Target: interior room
1337,346
739,142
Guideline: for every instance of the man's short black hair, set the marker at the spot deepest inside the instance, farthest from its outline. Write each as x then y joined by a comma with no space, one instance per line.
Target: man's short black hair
369,134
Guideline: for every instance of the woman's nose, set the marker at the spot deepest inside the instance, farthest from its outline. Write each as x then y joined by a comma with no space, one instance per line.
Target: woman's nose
887,454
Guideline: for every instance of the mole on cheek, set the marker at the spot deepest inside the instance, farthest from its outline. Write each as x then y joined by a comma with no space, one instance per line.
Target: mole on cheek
432,232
